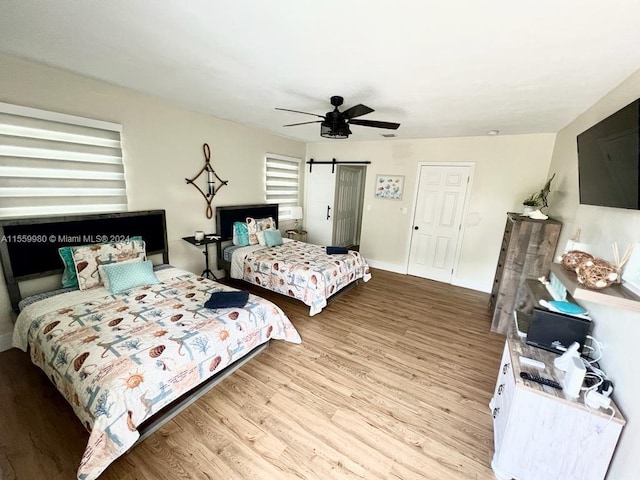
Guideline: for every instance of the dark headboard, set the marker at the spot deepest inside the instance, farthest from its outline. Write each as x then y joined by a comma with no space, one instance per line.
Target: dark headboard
29,246
225,216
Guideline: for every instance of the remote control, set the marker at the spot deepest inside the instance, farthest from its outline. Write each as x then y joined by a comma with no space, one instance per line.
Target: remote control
542,381
531,362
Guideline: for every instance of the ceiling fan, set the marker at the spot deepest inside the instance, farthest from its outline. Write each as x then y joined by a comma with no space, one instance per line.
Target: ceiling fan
335,124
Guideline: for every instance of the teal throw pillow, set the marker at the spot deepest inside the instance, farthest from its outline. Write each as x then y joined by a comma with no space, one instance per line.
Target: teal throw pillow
240,234
123,276
69,276
272,238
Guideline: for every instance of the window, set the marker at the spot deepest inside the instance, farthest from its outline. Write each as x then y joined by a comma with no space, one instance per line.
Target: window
52,163
283,183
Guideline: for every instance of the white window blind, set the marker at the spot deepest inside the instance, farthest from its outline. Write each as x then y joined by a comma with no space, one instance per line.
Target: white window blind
52,163
283,183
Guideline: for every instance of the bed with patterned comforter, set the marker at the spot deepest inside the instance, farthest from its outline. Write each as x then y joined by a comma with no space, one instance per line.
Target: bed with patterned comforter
300,270
118,359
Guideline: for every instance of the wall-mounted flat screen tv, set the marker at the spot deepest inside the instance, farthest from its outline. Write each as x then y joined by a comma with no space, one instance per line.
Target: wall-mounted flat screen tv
609,160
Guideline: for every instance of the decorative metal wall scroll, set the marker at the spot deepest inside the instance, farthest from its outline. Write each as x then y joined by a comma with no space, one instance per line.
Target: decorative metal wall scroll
214,182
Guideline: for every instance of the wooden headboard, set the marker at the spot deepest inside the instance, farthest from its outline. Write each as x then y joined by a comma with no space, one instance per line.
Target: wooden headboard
29,246
225,216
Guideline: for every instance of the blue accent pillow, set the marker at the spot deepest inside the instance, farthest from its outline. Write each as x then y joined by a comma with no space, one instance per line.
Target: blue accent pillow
69,276
331,250
272,238
123,276
240,234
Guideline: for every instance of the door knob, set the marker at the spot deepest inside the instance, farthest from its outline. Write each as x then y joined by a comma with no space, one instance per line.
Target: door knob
416,227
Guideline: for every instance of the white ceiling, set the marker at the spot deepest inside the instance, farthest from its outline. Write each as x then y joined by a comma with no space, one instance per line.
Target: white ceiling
440,68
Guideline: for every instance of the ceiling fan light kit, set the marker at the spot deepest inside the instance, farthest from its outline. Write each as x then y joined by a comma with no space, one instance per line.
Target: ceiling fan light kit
335,124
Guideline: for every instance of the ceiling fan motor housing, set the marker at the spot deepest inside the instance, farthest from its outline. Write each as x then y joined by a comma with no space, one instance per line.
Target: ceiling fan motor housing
335,124
337,100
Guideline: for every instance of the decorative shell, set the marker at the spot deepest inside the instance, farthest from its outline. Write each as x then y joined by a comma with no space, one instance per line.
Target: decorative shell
190,295
77,363
115,322
176,317
156,351
234,315
573,258
130,425
214,363
269,330
50,327
596,273
81,266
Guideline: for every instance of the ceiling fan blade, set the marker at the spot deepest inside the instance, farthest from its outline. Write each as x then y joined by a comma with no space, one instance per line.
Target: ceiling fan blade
298,111
357,111
301,123
375,123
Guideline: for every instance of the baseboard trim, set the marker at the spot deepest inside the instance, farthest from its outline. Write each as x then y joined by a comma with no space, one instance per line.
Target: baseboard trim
470,285
5,341
390,267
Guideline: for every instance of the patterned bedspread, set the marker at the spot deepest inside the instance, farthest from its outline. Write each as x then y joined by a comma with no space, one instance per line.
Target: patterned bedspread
301,270
118,359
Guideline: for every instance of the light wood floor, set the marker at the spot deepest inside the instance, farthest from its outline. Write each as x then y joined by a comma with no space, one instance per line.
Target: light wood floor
392,381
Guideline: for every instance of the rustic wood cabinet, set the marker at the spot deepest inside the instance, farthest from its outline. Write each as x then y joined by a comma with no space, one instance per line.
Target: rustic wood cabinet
527,251
542,434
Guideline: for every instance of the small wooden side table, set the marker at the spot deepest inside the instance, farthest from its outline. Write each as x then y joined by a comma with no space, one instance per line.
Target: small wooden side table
295,235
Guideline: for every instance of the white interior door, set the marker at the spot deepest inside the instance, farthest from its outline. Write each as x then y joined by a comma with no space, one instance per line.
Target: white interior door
438,220
348,206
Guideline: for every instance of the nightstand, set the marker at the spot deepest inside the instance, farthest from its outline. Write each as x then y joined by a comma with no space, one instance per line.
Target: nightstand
295,235
211,238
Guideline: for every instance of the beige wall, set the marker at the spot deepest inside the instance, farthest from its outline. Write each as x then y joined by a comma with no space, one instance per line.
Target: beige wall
507,170
162,146
619,330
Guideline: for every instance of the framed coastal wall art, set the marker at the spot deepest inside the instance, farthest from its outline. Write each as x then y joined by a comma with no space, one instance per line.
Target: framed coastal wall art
389,187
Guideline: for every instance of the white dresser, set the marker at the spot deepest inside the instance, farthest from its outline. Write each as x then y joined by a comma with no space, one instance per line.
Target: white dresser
539,432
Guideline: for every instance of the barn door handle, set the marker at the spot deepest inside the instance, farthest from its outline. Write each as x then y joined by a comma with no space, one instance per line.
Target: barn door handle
328,210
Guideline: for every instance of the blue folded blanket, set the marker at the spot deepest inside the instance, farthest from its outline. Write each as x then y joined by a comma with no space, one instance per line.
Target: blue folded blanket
337,250
236,299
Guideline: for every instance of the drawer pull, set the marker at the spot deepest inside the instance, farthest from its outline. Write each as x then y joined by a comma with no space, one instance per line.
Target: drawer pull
505,368
501,389
496,411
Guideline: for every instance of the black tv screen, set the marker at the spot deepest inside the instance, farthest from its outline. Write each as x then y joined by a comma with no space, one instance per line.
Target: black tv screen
609,158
